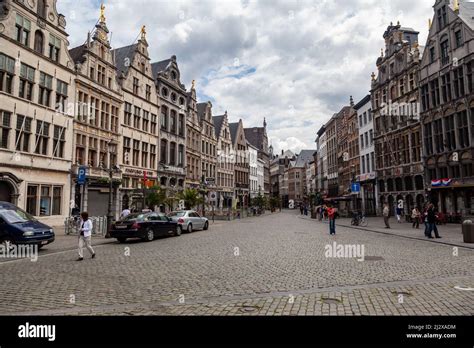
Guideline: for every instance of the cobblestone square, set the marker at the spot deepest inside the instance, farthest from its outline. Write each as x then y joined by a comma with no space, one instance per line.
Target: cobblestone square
271,265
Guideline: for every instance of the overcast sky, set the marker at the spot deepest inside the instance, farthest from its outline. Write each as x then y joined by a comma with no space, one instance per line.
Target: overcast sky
294,62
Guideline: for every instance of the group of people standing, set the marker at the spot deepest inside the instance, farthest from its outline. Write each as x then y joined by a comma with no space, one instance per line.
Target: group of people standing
429,217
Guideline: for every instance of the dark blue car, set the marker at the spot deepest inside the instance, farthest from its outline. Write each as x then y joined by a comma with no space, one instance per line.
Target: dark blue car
19,227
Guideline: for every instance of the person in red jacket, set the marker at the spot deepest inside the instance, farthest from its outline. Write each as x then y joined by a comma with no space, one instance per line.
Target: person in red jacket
332,220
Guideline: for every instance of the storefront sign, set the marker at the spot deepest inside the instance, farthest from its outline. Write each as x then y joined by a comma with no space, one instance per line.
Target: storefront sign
138,172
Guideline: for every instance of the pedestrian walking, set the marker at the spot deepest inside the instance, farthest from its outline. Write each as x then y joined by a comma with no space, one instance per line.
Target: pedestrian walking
415,215
432,217
399,214
126,212
386,215
85,236
306,210
301,209
332,220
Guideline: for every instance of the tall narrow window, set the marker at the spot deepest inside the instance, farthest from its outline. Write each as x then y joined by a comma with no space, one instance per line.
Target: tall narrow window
27,80
54,48
32,200
41,9
59,141
163,151
45,89
7,71
39,42
444,52
61,96
23,133
5,121
22,30
42,137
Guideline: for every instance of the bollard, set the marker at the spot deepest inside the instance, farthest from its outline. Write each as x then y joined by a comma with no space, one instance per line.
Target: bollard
468,231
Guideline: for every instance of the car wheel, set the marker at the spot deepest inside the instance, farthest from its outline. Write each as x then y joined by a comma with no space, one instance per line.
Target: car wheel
179,230
122,240
150,235
190,228
206,226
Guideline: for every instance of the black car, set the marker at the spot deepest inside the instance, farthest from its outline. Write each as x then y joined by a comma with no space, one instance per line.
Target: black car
146,226
19,227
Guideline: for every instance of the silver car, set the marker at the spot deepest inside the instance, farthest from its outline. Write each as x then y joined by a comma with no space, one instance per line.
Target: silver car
189,220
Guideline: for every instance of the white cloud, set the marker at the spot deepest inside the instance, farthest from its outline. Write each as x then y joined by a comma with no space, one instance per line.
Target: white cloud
308,56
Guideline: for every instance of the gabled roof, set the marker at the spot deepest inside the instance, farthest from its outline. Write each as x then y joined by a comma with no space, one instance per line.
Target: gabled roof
121,54
201,110
305,156
78,53
255,136
466,13
233,127
160,66
218,121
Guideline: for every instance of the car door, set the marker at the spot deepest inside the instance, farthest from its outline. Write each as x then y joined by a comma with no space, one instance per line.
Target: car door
154,223
197,221
168,226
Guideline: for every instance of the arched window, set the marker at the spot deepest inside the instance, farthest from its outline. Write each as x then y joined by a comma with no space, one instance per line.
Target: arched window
41,9
39,41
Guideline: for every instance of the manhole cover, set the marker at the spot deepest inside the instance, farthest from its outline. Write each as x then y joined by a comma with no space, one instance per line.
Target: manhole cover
404,293
249,309
331,301
374,258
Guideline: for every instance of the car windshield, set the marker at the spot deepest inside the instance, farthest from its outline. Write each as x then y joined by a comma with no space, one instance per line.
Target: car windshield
134,217
177,214
15,216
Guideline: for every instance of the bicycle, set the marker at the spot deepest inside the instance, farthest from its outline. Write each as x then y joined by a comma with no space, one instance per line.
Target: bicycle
359,219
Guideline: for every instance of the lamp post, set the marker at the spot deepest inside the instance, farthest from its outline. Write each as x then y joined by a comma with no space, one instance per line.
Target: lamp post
203,192
111,170
354,198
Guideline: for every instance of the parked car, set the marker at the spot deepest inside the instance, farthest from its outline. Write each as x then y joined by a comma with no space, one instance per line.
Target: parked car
189,220
19,227
146,226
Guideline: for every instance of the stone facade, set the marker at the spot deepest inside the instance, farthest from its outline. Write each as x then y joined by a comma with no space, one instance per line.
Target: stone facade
395,98
208,145
139,136
193,143
172,149
447,108
367,173
241,168
97,128
225,163
36,109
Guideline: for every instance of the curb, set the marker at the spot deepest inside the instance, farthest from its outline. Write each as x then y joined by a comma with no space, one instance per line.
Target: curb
402,236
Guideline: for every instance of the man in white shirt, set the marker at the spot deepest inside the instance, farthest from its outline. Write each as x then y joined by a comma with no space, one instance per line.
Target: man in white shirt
85,236
126,212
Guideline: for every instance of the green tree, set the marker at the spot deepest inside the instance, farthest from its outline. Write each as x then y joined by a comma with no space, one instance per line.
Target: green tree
275,202
155,196
191,197
259,201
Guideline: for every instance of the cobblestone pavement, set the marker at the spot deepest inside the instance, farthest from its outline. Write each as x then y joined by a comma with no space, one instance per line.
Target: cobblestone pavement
271,265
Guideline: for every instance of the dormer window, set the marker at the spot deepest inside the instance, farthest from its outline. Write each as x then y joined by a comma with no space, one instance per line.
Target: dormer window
164,92
173,97
174,76
442,17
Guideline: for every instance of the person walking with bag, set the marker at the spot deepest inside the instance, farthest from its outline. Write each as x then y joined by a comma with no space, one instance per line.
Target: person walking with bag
85,236
432,217
415,215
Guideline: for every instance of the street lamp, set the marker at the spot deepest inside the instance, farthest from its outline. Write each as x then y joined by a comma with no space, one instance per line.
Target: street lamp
203,192
111,170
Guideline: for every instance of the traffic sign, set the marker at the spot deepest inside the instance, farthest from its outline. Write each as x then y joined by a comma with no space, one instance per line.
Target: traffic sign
213,196
355,188
81,175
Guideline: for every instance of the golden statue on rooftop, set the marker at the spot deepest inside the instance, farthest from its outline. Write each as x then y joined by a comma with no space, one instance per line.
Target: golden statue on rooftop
102,13
143,32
